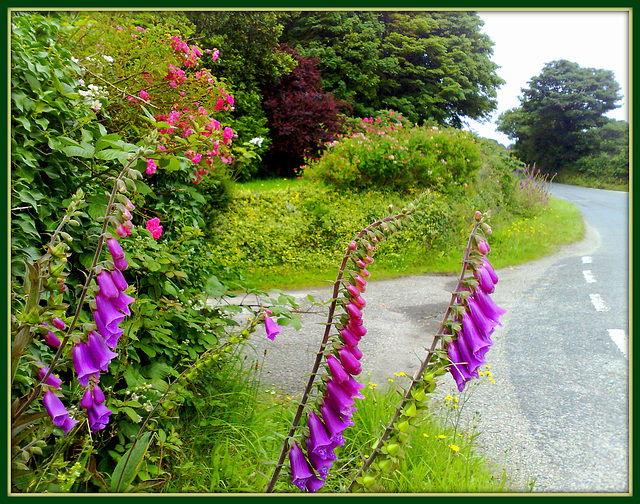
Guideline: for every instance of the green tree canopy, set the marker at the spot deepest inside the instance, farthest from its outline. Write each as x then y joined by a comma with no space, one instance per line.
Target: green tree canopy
557,111
427,65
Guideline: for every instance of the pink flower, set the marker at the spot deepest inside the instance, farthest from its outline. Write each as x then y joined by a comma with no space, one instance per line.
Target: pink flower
151,166
154,227
143,94
215,55
227,134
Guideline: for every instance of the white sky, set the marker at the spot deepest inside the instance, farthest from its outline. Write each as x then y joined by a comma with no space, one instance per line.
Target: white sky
524,41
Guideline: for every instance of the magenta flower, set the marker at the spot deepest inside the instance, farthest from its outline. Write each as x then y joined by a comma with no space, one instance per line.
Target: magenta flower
484,279
357,328
492,274
107,287
355,351
227,135
319,464
487,305
143,94
57,411
300,469
336,369
118,280
58,324
109,314
320,442
122,302
348,337
338,399
83,364
334,424
98,415
50,338
110,336
52,380
353,387
154,227
271,327
458,370
484,324
349,362
471,352
99,351
151,166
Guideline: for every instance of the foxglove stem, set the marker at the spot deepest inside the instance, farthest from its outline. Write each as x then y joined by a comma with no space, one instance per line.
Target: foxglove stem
323,344
36,390
418,375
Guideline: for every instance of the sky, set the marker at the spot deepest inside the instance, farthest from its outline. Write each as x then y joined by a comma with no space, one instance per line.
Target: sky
524,41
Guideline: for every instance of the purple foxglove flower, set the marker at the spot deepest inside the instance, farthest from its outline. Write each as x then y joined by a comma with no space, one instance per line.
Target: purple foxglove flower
314,484
486,284
98,416
334,424
354,311
483,246
353,290
51,339
87,399
55,408
357,353
490,270
353,388
338,398
321,465
488,306
271,327
99,351
320,441
459,371
122,302
472,359
348,337
336,369
349,362
364,273
58,324
118,279
121,264
107,287
361,283
98,395
300,469
484,324
358,330
112,340
359,302
84,365
472,332
69,423
115,249
52,380
109,314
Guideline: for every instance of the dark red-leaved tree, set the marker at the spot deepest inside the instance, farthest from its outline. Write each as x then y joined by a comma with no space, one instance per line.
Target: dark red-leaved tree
302,117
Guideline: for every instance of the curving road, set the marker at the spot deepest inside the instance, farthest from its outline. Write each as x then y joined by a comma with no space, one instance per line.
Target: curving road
558,412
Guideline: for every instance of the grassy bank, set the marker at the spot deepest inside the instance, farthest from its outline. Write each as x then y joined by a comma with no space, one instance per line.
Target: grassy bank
296,232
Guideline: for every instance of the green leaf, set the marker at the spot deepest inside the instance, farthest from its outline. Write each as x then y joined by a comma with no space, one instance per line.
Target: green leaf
128,465
85,151
109,154
214,287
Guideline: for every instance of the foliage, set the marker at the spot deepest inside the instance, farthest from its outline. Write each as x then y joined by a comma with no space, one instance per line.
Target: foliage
607,156
426,65
386,153
557,111
302,117
81,120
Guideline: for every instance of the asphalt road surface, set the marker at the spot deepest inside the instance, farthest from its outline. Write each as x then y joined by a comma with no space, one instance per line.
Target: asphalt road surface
557,415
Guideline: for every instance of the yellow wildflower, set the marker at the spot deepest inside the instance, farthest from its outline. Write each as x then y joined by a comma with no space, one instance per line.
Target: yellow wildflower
454,447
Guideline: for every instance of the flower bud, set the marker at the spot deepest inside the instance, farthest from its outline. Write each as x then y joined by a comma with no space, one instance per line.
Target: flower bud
478,215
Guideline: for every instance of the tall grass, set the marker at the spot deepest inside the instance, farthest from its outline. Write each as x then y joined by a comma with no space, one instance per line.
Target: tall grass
236,431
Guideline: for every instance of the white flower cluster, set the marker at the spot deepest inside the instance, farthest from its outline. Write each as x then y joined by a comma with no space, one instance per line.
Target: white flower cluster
256,141
93,95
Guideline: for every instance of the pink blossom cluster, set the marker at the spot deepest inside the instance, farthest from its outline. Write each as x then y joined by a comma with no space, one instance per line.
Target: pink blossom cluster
190,54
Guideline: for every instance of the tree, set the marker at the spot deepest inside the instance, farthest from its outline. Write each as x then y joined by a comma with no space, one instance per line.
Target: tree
557,110
302,117
427,65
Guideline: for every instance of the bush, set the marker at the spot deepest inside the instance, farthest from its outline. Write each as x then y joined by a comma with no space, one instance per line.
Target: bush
387,153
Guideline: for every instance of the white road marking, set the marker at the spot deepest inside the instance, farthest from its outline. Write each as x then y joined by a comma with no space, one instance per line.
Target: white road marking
588,276
586,260
620,339
598,303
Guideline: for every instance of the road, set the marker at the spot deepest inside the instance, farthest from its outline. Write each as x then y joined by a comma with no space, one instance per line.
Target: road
557,415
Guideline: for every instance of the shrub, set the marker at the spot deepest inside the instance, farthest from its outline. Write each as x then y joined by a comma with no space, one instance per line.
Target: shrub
387,153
